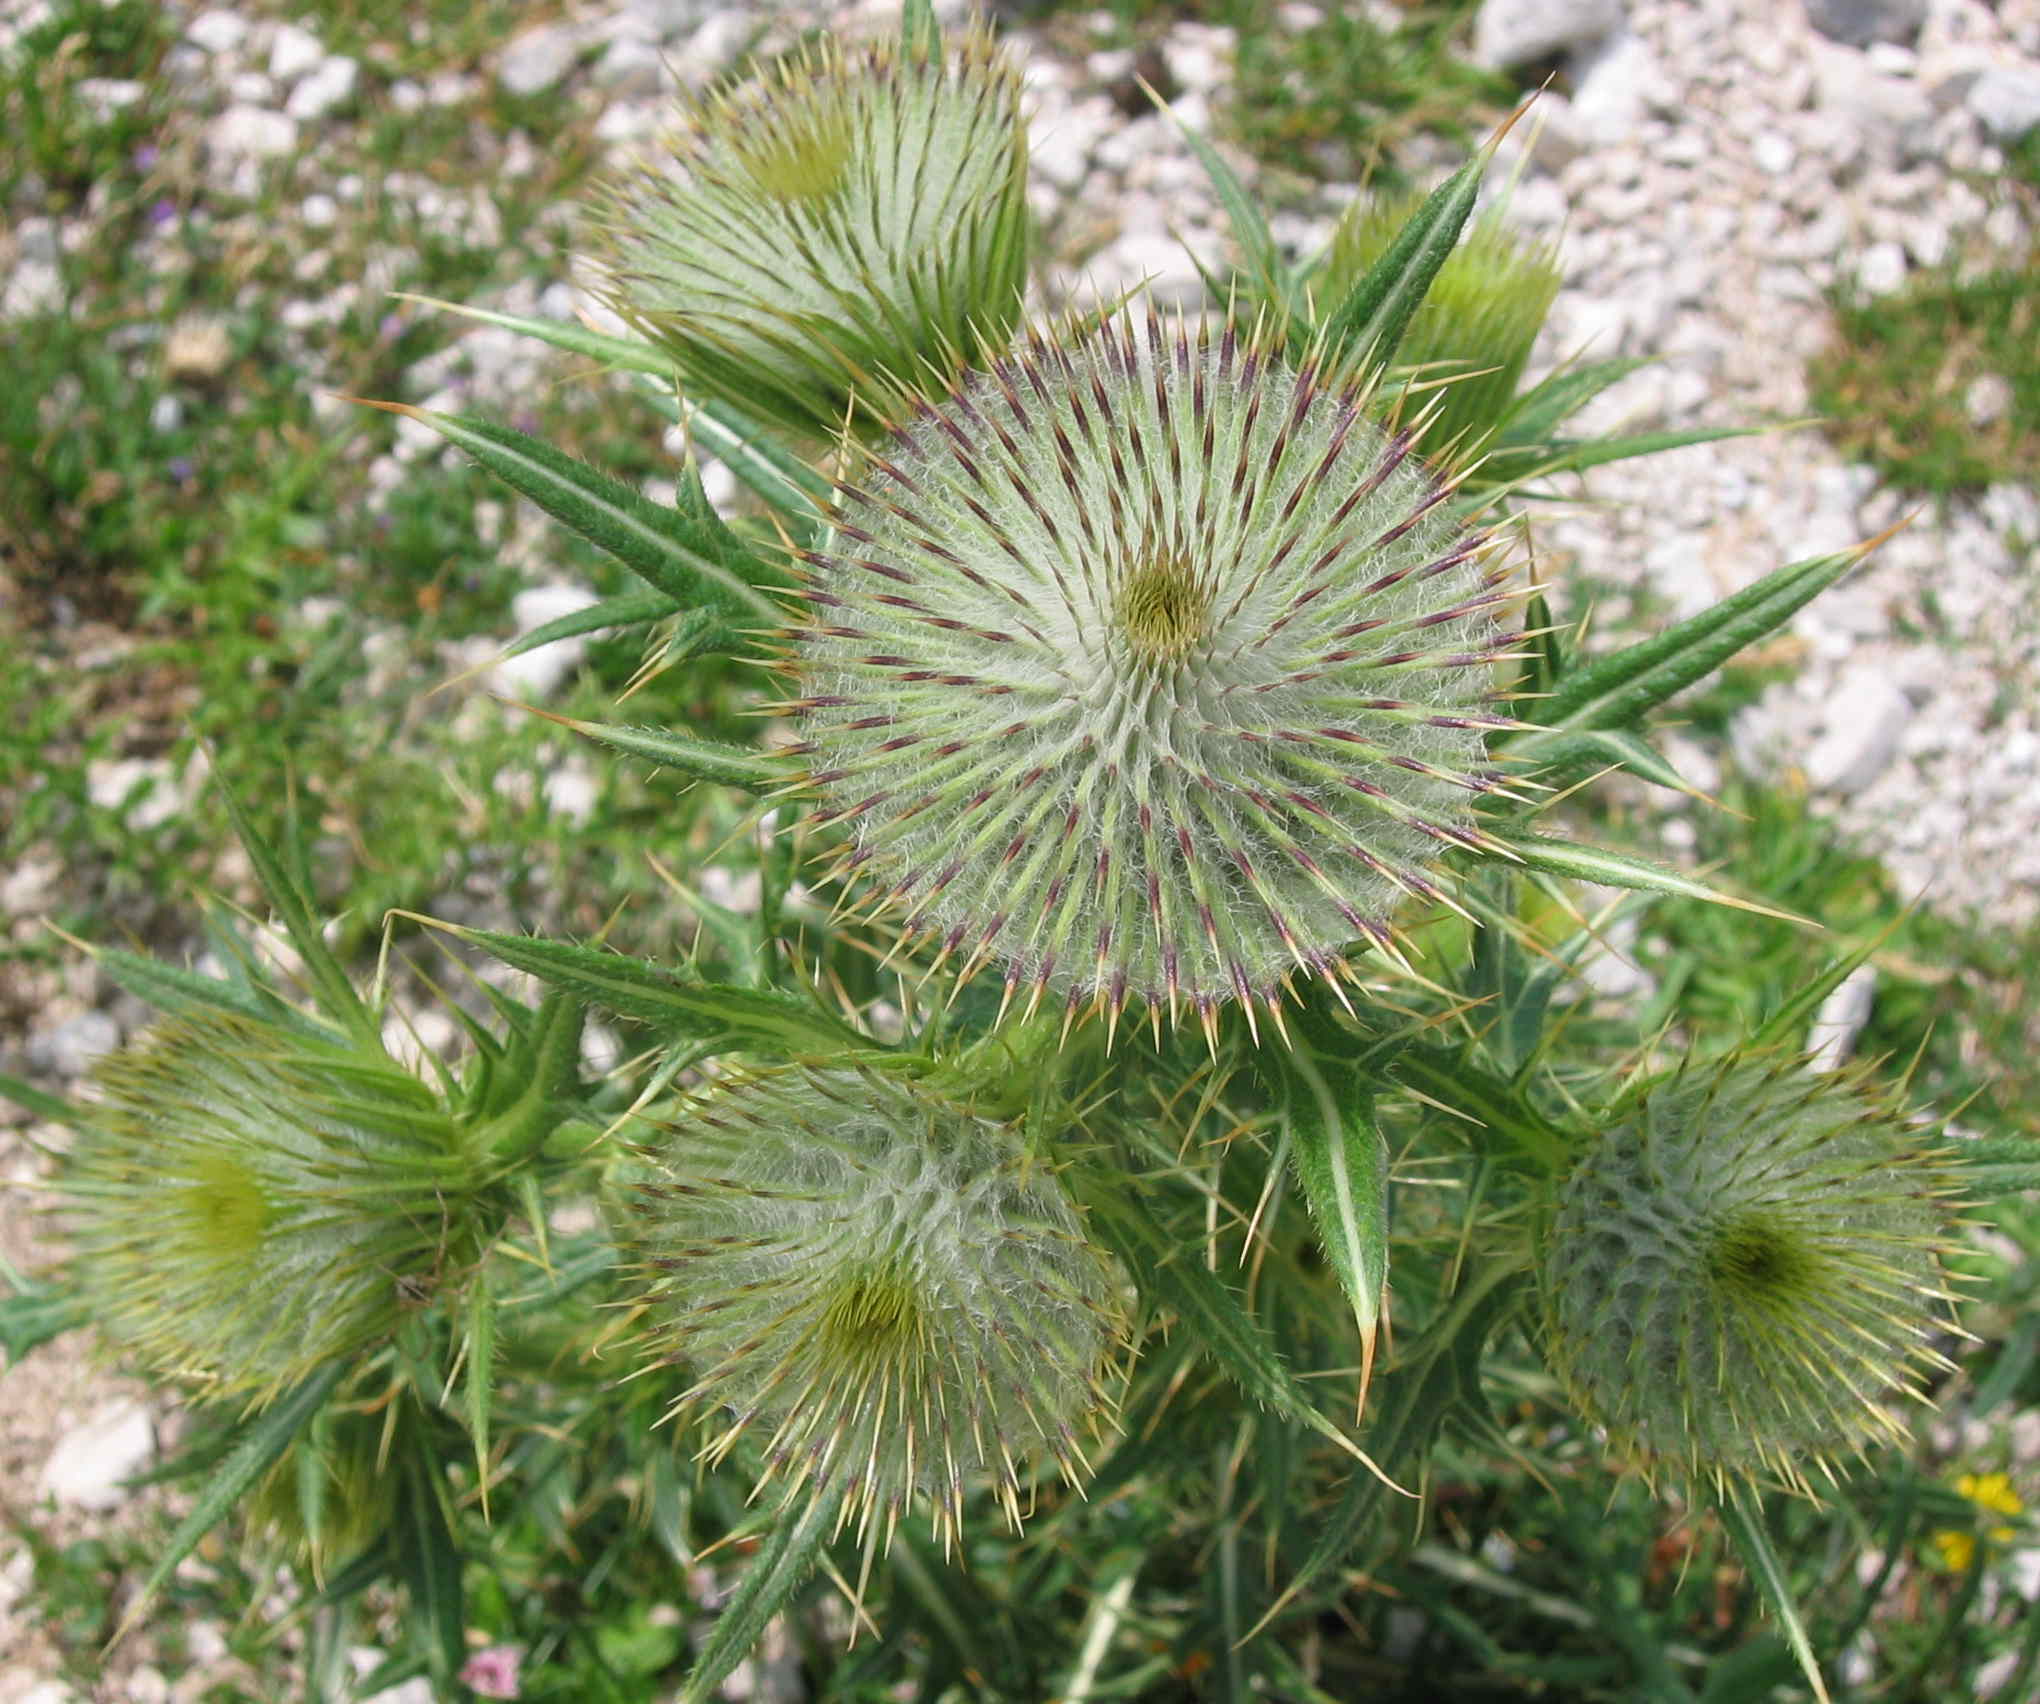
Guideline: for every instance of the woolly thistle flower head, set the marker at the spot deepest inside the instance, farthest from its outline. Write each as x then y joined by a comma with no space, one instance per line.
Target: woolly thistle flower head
1741,1271
1476,324
887,1287
249,1203
831,233
1149,669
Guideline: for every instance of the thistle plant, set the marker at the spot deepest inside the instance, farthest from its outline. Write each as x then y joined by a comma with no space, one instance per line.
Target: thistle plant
824,238
1150,669
888,1288
1741,1277
1157,667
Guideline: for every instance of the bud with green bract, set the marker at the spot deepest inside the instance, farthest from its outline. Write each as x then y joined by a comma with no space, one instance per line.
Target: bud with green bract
830,236
250,1202
1742,1272
886,1291
1150,669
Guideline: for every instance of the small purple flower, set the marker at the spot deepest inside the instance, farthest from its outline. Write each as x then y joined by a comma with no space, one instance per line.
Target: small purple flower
180,469
145,156
492,1671
393,327
162,210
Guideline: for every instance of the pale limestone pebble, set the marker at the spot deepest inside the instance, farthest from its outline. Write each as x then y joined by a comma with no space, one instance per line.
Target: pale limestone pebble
217,32
293,50
91,1462
538,58
328,87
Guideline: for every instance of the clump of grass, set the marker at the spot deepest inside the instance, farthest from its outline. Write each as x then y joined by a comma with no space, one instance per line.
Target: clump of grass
1908,380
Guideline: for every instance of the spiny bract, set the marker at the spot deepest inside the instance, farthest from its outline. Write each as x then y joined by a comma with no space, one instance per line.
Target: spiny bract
1476,324
249,1203
1743,1270
1150,668
889,1287
832,232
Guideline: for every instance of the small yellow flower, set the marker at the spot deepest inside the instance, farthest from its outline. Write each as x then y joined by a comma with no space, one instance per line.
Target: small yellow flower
1956,1550
1992,1491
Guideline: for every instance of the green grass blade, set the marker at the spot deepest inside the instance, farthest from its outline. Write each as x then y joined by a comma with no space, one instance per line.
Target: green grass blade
335,993
1361,334
1740,1518
697,564
257,1450
791,1548
1341,1160
703,760
637,989
632,609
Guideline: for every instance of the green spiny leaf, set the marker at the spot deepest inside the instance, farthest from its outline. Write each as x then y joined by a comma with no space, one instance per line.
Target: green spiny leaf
702,760
694,564
1361,333
698,1010
792,1546
632,609
1741,1518
1616,869
293,907
1341,1160
258,1448
429,1562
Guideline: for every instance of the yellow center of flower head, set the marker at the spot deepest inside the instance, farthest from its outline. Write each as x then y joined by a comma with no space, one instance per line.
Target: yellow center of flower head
798,156
221,1212
876,1312
1163,610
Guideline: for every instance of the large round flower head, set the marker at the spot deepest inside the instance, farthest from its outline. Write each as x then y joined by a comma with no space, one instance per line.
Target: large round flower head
1477,322
887,1287
832,232
1742,1270
249,1203
1150,668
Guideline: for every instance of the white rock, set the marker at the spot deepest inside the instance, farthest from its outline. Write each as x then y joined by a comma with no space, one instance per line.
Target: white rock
330,86
1832,1035
1866,719
89,1463
166,414
217,32
1062,153
1773,152
538,674
1987,400
571,794
48,1692
319,210
1618,83
1520,32
1858,23
2006,102
538,59
108,95
293,51
146,786
35,286
1880,269
71,1048
629,66
252,133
